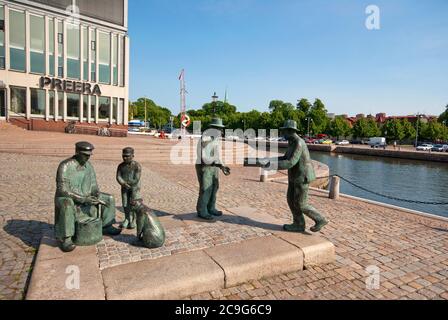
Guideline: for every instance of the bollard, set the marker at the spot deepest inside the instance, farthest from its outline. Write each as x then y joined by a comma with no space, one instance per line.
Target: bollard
263,175
334,188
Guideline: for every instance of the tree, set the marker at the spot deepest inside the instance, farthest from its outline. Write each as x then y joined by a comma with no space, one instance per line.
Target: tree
304,105
339,127
408,129
443,118
393,130
319,115
156,115
365,128
434,131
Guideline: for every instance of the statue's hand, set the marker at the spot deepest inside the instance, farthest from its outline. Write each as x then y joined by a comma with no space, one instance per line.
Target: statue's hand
92,201
127,186
226,170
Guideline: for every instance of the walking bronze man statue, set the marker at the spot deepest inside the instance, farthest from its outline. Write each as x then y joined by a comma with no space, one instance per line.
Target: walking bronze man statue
128,176
82,213
301,173
207,166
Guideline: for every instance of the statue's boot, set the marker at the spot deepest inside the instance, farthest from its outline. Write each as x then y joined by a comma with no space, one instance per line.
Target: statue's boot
67,245
215,213
111,231
319,225
205,216
132,224
295,227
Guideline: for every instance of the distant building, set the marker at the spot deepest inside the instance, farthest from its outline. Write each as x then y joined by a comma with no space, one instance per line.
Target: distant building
64,60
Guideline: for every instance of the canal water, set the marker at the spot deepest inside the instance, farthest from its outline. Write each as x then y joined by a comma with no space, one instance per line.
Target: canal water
404,179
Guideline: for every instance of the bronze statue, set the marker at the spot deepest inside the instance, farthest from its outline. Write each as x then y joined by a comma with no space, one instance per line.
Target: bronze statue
149,229
82,212
297,161
128,176
207,169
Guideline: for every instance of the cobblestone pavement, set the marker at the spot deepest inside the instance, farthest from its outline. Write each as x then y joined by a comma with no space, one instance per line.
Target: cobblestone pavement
410,251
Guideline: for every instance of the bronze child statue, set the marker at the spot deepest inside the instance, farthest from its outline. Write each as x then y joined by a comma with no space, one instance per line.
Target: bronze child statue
128,176
149,229
207,166
82,212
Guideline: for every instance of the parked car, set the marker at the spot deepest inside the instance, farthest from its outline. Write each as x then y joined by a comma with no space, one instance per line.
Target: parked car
342,142
424,147
325,141
377,142
440,148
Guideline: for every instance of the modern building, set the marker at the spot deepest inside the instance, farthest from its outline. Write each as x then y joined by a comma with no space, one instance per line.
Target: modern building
63,61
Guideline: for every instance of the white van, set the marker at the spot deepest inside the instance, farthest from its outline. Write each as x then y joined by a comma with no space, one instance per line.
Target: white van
378,142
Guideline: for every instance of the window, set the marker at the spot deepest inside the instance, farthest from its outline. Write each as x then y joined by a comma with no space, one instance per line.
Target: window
60,104
2,39
93,56
122,61
107,10
37,101
17,40
51,47
73,105
51,100
93,108
18,100
85,106
115,60
37,44
85,53
60,50
104,58
121,111
114,108
104,108
73,65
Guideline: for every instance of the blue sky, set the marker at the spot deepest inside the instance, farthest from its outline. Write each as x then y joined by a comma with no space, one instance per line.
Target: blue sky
288,49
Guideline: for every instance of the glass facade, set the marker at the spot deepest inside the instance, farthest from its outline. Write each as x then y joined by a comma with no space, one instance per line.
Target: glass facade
2,40
85,106
85,54
18,100
60,50
92,108
51,46
37,101
104,58
93,55
72,105
37,44
115,59
114,108
73,52
104,108
122,60
17,40
51,102
60,104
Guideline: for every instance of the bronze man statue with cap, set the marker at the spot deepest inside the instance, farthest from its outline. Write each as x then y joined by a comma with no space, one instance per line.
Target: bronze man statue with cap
301,173
207,166
128,176
79,205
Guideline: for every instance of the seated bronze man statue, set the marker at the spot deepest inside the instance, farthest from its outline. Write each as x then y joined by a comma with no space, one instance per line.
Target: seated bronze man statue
82,212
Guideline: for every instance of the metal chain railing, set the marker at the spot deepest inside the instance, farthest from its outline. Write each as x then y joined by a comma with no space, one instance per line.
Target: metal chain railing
380,194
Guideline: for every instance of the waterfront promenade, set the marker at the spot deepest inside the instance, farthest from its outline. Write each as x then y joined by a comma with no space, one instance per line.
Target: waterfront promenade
410,251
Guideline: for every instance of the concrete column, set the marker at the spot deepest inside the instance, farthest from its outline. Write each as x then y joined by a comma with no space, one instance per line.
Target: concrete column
65,103
97,118
89,60
8,102
56,105
64,42
334,188
7,55
28,103
126,81
81,109
47,48
89,112
119,66
27,42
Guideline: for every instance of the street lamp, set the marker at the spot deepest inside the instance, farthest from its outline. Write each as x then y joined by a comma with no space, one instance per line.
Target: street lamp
416,135
309,119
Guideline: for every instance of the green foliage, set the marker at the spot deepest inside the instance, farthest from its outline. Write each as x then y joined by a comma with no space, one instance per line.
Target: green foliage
156,115
339,127
393,130
434,131
443,118
408,129
366,128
